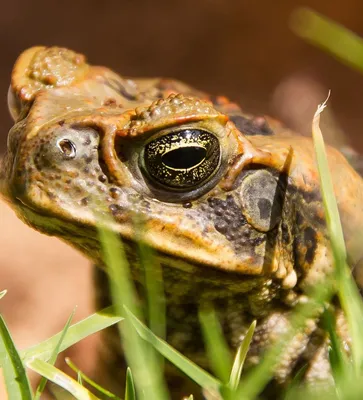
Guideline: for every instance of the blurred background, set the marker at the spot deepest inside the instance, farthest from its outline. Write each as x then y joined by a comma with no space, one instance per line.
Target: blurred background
243,49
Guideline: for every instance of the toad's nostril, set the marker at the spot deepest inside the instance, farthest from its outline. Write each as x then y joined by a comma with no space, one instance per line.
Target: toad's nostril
67,147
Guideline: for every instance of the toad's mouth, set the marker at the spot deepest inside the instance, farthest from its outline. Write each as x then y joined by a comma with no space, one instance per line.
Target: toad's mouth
83,234
41,219
185,271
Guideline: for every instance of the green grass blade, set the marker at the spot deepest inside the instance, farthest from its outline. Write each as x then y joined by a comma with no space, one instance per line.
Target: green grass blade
118,271
3,293
16,381
338,359
350,300
348,293
327,191
155,297
92,324
56,350
296,383
154,290
330,36
83,377
130,393
54,355
217,349
201,377
240,358
156,306
140,357
60,378
59,393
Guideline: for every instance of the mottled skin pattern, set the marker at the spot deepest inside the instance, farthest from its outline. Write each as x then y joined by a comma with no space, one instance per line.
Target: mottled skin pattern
249,237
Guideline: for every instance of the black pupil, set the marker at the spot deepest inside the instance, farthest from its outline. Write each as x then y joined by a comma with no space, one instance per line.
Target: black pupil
184,157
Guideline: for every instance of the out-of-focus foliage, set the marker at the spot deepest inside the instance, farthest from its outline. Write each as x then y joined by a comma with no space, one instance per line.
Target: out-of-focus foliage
329,35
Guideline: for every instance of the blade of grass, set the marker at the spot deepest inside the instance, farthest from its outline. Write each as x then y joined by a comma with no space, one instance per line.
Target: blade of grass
130,393
92,324
217,350
240,358
296,383
3,293
329,35
142,359
154,290
16,381
156,306
201,377
338,359
81,376
327,191
350,300
60,378
59,393
155,298
347,290
54,355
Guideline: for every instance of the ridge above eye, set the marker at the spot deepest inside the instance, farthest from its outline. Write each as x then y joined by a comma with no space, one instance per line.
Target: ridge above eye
181,160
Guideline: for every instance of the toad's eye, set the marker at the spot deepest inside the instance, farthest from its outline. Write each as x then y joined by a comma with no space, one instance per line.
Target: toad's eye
181,160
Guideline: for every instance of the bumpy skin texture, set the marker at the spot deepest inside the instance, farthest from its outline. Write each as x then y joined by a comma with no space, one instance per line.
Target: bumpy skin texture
246,232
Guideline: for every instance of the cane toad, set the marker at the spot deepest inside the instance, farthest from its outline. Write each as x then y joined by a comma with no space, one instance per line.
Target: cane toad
229,202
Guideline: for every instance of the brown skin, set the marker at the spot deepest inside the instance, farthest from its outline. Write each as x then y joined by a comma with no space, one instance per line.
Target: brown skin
245,230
